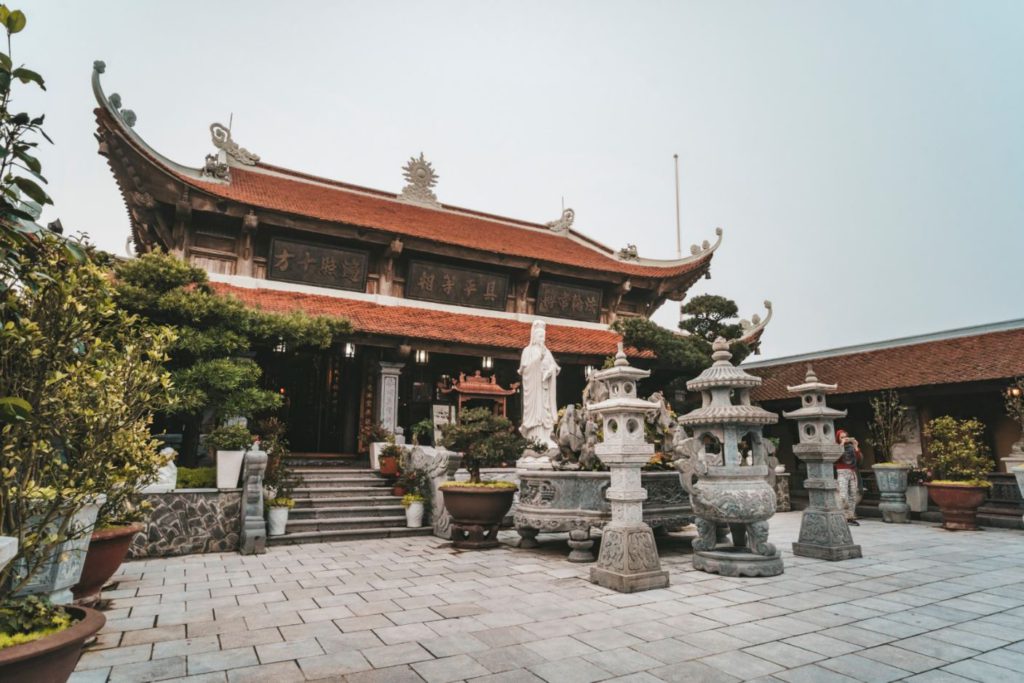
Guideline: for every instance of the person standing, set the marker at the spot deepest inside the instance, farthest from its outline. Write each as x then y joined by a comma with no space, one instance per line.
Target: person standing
846,475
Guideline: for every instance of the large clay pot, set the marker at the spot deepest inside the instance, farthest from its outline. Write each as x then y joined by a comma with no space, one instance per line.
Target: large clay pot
477,512
892,485
959,504
53,658
107,550
388,466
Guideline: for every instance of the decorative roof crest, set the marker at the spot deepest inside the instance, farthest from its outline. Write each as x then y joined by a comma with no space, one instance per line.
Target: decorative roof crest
221,136
628,253
127,115
563,224
420,176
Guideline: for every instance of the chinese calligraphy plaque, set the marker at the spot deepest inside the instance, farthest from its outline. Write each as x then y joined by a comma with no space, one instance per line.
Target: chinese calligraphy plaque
318,265
457,286
569,301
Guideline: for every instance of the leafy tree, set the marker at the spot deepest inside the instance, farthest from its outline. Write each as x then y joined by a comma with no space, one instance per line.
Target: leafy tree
708,316
215,376
957,451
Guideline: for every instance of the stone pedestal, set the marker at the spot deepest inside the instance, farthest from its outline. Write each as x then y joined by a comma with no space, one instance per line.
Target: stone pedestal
1015,458
892,488
253,538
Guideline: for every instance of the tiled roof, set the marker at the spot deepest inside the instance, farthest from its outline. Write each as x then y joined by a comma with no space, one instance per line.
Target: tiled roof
337,202
429,324
990,356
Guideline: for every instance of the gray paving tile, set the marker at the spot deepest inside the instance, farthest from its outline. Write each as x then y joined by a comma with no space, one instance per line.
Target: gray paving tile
983,672
742,664
569,670
448,669
863,669
278,672
687,672
784,654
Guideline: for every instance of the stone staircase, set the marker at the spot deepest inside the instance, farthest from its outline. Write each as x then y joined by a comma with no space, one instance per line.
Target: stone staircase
343,503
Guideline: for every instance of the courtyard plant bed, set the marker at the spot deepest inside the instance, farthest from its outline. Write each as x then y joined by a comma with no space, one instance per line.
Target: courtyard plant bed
477,508
959,463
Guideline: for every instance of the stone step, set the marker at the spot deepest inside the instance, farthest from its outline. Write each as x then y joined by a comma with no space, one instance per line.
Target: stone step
347,535
340,501
341,471
334,511
340,491
345,523
325,481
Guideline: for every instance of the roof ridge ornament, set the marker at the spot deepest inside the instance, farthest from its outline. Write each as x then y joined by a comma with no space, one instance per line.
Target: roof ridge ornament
629,253
114,100
420,176
221,137
563,224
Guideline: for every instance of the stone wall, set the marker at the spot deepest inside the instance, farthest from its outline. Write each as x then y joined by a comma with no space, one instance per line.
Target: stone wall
188,521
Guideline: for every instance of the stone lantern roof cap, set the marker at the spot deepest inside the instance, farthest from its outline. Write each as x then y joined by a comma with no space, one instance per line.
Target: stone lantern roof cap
621,370
735,415
812,384
722,373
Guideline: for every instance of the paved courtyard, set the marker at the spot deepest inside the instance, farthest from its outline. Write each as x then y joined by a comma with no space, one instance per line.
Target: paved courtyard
923,605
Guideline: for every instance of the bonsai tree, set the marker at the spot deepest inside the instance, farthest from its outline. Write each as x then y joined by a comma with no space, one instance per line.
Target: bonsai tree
957,452
229,438
211,361
888,424
484,439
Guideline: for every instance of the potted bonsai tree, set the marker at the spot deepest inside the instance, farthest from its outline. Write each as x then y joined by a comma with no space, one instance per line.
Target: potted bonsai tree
477,507
959,462
413,504
230,443
888,424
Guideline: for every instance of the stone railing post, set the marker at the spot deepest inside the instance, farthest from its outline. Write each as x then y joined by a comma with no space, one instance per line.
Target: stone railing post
253,535
440,465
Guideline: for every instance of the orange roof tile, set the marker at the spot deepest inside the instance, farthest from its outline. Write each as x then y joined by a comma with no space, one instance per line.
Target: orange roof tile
429,324
989,356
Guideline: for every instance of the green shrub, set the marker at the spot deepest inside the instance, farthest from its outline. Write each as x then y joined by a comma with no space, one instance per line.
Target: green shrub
281,502
197,478
23,620
956,451
229,438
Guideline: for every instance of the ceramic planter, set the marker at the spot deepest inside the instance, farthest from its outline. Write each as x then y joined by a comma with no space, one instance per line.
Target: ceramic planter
53,658
277,520
414,515
959,504
8,549
107,550
388,466
229,468
59,573
476,513
917,498
892,486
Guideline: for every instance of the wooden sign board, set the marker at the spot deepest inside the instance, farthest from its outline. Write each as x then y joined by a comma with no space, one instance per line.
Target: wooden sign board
457,286
316,264
560,300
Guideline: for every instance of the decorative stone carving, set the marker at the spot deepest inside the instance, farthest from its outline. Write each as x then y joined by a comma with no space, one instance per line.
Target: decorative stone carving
213,167
387,408
186,522
127,115
420,176
563,224
892,487
724,491
440,466
221,138
824,533
628,560
782,501
253,540
628,253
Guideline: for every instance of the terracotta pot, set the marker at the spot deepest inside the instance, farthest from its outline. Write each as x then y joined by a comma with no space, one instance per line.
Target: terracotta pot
959,504
53,658
388,466
477,512
107,550
398,490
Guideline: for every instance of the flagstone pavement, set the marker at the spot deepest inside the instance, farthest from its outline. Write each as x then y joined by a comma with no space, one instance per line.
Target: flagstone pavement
922,605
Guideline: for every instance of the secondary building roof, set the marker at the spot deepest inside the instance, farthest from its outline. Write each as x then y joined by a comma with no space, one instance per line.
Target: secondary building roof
973,354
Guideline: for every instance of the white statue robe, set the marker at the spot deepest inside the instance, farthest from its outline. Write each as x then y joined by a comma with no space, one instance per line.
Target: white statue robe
540,408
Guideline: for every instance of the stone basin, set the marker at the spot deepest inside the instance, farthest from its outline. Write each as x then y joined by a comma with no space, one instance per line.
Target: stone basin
560,501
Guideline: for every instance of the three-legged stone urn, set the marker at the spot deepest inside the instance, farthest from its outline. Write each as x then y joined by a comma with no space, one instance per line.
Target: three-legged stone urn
724,491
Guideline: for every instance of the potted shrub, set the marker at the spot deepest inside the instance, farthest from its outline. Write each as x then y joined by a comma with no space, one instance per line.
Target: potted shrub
230,443
42,642
887,427
413,503
959,461
389,459
277,515
477,507
423,432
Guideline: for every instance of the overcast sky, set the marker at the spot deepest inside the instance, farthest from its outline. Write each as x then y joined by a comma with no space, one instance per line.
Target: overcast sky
865,159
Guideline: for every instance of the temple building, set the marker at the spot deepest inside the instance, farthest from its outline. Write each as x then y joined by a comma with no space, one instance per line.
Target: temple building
435,293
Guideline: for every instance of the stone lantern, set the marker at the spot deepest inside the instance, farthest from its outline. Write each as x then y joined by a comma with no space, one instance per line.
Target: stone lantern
628,560
723,490
824,533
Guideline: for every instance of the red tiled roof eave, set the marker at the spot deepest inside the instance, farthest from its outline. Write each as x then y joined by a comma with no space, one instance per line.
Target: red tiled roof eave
430,324
983,357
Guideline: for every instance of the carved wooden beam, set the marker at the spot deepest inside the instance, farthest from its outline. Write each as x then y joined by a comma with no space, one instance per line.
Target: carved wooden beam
386,278
523,286
250,224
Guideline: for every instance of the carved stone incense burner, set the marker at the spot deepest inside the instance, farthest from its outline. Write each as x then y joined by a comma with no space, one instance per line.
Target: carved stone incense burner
727,494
